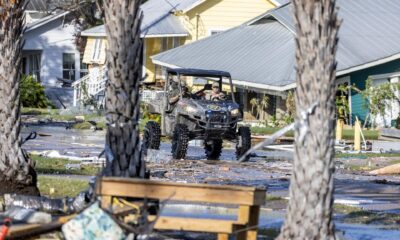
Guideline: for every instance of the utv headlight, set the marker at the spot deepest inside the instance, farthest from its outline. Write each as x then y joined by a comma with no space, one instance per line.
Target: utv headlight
190,109
235,112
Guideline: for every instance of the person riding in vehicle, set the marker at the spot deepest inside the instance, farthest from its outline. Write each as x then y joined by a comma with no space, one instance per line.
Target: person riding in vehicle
174,94
216,94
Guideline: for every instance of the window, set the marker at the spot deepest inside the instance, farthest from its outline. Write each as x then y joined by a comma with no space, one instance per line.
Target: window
32,65
176,42
97,49
69,66
84,68
164,44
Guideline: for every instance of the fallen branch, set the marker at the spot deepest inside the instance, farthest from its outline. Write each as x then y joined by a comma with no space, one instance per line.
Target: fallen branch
392,169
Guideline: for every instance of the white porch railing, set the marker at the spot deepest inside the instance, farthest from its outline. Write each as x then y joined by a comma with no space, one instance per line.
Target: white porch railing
91,85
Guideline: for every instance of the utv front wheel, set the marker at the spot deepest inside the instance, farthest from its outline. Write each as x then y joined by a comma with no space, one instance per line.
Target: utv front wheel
213,149
151,136
243,142
180,140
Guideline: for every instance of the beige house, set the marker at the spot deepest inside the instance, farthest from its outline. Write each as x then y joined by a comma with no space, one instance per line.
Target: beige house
171,23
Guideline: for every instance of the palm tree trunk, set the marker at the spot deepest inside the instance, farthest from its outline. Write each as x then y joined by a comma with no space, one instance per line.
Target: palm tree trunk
124,62
16,172
309,213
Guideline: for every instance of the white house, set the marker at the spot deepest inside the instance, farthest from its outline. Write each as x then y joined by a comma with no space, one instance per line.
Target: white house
50,54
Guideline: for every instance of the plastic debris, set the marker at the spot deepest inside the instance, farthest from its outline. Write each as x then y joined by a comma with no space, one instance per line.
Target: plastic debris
61,205
71,166
92,223
28,215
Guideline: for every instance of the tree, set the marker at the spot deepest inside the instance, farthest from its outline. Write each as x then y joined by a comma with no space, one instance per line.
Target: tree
290,104
309,214
264,104
124,63
84,14
380,98
16,172
254,102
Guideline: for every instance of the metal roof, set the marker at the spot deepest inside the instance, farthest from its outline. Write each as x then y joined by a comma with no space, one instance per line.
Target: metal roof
157,19
42,5
242,52
197,72
45,20
261,53
37,5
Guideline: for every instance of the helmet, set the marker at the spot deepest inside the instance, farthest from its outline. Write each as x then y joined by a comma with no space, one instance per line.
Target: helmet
215,84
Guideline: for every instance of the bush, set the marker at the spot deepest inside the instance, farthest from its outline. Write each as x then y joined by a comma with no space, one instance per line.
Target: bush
32,93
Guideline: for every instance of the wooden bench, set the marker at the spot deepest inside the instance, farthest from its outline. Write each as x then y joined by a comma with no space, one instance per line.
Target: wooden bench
249,200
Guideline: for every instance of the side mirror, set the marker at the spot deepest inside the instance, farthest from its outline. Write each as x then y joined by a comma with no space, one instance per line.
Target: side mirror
208,86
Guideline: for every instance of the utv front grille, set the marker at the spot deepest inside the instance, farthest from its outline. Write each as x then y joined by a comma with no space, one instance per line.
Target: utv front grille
216,118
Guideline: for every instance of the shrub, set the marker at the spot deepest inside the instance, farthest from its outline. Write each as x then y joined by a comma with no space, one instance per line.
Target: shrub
32,93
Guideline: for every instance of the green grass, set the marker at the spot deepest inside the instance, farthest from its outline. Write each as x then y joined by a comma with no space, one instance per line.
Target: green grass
268,131
348,134
368,217
274,198
366,155
344,209
57,166
357,215
61,187
58,115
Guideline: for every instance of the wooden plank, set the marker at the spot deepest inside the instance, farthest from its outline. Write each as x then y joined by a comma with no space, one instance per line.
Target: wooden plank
196,225
223,236
248,215
29,230
138,188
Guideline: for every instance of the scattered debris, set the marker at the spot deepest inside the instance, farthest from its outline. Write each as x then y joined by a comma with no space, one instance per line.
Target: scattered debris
157,156
79,119
71,166
28,215
56,154
63,205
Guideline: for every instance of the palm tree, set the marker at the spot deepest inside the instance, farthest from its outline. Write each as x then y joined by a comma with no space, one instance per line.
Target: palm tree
290,104
264,104
309,214
254,102
124,62
16,172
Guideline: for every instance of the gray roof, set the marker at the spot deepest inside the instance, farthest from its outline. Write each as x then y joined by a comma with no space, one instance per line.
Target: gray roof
37,5
262,51
42,5
157,18
45,20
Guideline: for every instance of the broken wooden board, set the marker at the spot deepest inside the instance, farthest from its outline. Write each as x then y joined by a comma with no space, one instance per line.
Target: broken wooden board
392,169
138,188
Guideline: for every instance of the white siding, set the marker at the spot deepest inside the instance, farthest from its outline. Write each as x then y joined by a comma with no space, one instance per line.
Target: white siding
53,39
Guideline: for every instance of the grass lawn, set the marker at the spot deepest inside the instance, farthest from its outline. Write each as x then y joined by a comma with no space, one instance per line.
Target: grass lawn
58,115
348,134
366,155
61,187
57,166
